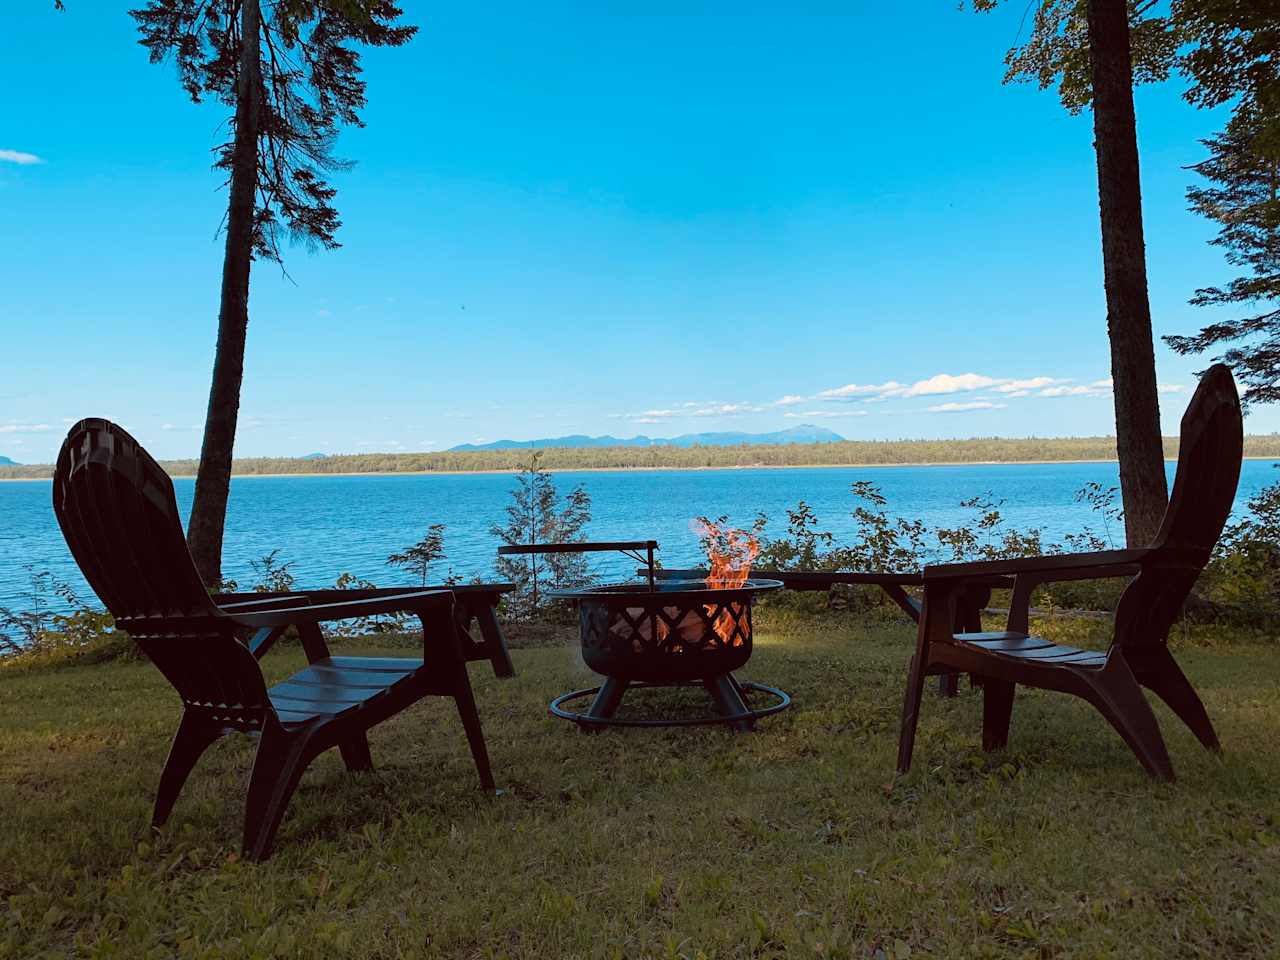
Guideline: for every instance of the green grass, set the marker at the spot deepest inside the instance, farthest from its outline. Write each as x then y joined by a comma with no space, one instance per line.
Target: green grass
794,841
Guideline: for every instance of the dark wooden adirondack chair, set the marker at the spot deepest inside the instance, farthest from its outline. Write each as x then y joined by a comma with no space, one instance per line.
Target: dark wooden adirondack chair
1162,577
117,511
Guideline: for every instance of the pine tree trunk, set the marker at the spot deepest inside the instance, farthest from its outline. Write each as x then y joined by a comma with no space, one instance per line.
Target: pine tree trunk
213,478
1133,365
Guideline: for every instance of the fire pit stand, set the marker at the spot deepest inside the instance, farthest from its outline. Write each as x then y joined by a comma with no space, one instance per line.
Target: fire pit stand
662,633
727,692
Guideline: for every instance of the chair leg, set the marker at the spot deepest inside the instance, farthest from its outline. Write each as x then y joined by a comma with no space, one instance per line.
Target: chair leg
1162,675
997,708
466,703
277,768
937,617
439,637
194,736
1120,700
355,752
911,712
948,684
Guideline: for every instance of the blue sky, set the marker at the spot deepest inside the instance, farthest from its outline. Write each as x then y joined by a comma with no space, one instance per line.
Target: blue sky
619,218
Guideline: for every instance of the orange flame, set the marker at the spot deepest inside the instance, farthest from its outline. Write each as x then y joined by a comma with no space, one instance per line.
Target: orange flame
730,554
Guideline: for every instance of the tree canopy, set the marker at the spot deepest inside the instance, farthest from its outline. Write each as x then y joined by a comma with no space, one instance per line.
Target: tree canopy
309,86
1228,52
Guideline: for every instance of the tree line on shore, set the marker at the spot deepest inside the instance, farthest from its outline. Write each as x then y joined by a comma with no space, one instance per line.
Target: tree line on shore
846,453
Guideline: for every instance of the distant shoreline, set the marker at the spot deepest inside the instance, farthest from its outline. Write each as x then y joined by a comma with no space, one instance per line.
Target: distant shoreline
640,469
872,454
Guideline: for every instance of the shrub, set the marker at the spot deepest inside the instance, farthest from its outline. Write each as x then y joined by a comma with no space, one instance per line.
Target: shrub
1242,581
43,634
537,515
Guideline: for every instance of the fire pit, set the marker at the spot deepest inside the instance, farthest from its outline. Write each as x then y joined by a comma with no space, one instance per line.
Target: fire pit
669,633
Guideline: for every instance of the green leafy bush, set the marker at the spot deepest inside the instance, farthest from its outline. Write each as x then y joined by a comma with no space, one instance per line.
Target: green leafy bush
1240,586
43,634
1242,581
536,514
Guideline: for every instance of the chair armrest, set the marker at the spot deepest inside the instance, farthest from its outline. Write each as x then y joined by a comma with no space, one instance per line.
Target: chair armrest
1076,566
411,601
248,601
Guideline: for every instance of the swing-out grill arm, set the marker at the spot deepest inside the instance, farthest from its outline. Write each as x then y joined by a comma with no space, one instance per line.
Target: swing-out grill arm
626,547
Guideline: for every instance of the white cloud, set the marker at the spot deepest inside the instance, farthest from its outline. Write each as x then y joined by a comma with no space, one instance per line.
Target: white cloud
693,409
1171,387
20,158
947,383
1097,388
860,390
651,416
25,428
824,414
961,407
938,385
941,384
1020,388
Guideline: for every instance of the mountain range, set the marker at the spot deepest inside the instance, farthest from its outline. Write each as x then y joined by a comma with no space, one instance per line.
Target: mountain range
6,462
804,433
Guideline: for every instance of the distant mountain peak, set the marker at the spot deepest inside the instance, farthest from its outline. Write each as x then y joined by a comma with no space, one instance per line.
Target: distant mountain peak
6,462
804,433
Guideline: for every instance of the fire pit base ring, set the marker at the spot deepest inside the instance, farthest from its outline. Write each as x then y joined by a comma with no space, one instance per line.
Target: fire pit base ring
743,720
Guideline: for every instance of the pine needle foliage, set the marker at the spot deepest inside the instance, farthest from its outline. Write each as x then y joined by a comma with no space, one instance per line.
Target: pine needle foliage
308,87
417,559
1243,198
536,514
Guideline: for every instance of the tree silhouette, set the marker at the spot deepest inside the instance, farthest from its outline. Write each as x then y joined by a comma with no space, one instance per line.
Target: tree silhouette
290,73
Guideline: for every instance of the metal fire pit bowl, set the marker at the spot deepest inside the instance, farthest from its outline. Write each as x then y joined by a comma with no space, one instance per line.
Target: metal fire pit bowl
664,635
661,634
667,633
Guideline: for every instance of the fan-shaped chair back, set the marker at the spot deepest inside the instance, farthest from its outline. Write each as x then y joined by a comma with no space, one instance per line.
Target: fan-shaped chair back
1211,446
117,511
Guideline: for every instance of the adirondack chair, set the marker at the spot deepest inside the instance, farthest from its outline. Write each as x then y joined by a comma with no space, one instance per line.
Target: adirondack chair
118,514
1162,577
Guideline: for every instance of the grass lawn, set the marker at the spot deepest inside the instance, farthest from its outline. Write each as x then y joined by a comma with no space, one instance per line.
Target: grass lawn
796,841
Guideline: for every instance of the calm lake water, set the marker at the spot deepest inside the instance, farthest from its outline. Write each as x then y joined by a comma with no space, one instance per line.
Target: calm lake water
328,525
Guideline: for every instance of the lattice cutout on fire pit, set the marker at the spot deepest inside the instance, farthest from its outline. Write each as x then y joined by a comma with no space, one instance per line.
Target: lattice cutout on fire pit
680,629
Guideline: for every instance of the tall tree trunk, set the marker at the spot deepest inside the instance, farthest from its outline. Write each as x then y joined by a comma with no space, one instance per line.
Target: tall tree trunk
1133,364
213,479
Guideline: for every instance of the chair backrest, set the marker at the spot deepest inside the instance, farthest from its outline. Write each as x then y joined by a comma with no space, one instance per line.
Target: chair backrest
117,511
1210,449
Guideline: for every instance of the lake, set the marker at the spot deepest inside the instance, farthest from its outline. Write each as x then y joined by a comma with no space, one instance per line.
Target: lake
329,525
